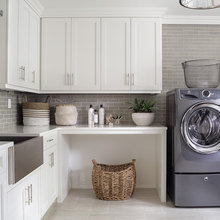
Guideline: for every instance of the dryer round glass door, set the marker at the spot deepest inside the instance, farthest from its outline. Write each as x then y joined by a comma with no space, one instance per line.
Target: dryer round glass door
201,128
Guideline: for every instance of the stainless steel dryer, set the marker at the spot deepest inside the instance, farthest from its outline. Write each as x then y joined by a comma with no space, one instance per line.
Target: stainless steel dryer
193,148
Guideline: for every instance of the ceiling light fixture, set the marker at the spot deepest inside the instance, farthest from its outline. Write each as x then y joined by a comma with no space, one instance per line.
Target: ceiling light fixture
200,4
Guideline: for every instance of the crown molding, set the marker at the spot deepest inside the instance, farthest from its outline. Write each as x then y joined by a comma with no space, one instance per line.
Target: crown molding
36,5
105,12
175,19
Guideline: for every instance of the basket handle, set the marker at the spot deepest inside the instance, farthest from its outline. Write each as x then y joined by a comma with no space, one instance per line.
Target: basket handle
94,162
48,99
24,99
58,100
133,161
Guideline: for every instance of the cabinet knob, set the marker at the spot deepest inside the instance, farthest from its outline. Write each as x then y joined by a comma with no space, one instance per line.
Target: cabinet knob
206,179
1,13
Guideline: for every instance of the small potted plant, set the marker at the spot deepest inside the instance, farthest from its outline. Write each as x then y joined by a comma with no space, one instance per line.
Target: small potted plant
143,114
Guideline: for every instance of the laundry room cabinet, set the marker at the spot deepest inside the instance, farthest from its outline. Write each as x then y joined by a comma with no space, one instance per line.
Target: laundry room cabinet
131,54
23,199
48,185
70,54
21,46
3,183
146,58
101,55
3,178
115,58
28,47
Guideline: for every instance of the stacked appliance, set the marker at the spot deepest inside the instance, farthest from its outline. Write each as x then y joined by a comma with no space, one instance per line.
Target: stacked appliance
193,147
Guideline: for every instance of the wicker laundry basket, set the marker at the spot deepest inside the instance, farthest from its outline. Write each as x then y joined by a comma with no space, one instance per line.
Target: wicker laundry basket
36,105
114,182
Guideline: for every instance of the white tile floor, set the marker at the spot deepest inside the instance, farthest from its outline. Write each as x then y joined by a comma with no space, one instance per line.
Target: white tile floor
144,205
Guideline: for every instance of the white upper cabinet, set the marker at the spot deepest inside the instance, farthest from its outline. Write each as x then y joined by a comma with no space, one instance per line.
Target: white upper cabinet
131,55
34,52
115,60
23,46
3,43
146,54
12,75
55,54
70,54
126,50
23,43
85,54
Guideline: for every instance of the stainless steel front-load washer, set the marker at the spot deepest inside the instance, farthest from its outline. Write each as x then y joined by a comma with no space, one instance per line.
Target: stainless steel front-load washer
193,147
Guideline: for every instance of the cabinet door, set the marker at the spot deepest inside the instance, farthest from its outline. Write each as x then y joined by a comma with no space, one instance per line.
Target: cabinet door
55,73
44,187
48,179
3,41
3,196
115,61
33,183
12,65
85,56
146,71
23,43
34,47
17,202
52,174
23,199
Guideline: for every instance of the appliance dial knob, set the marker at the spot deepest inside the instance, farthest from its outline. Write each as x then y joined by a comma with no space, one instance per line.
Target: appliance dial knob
206,93
206,179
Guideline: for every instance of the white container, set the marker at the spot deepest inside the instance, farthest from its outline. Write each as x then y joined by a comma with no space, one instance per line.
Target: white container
101,115
143,119
91,116
66,114
96,117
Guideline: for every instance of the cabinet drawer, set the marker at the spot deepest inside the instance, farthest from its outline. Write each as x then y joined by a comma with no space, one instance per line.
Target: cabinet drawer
50,140
197,190
3,161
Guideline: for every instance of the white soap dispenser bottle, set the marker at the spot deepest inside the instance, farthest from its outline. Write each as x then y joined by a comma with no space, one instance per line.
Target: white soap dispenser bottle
91,116
101,115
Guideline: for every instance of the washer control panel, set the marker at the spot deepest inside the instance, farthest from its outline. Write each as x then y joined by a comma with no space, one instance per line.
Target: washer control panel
200,94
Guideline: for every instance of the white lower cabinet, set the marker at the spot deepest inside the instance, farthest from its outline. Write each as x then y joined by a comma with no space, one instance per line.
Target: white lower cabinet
48,179
23,199
3,183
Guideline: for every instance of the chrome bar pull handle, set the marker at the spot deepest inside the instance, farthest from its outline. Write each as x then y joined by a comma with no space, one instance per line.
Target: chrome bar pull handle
132,79
27,199
68,79
52,157
31,194
72,79
33,73
50,140
52,160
